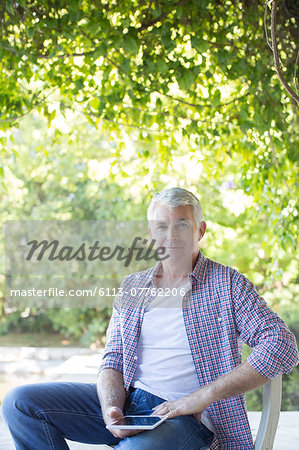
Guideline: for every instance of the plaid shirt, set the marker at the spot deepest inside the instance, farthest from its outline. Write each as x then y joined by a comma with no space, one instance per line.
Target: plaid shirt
222,311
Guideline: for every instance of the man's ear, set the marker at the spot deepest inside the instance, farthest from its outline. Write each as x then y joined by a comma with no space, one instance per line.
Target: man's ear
202,230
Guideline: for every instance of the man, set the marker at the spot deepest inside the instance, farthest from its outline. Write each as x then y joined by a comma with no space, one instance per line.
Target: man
176,349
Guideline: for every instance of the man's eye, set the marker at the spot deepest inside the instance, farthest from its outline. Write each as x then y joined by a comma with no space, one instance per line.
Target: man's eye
161,227
183,225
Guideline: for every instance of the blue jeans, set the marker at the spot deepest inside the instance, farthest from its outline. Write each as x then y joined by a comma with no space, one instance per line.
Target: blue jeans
41,416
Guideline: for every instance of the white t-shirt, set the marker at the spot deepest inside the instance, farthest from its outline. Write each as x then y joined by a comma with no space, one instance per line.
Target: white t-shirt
165,365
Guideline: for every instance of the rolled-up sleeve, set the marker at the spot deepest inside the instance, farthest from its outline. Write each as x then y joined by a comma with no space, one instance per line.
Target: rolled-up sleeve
113,353
274,349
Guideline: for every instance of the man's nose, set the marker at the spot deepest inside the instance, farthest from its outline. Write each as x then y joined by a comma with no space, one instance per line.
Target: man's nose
172,233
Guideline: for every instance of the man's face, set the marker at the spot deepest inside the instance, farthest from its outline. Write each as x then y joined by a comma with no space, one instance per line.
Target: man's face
175,229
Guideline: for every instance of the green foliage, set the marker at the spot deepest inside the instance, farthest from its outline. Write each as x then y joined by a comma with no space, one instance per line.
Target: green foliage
180,77
88,324
61,180
25,322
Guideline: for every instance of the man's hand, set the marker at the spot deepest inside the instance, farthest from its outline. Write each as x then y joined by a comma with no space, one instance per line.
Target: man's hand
112,415
183,406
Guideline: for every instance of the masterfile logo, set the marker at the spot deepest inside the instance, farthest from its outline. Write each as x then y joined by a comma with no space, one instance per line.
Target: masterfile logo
53,251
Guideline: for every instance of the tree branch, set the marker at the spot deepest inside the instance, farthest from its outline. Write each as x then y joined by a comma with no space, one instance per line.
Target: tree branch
90,113
33,106
202,105
275,53
61,56
295,73
65,55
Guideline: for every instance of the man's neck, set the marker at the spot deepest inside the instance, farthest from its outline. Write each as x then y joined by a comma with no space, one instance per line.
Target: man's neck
175,275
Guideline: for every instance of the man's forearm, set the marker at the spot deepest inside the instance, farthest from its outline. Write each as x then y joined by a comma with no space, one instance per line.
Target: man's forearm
240,380
110,389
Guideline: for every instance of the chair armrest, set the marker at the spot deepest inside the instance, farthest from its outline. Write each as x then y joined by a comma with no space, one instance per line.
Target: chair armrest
270,415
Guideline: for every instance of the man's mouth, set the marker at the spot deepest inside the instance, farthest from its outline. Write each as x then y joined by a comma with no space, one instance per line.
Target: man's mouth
174,248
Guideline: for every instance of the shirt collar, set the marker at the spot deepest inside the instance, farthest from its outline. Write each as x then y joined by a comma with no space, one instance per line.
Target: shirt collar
198,272
200,267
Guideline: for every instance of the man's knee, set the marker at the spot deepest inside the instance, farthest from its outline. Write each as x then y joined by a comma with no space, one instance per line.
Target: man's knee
18,398
9,403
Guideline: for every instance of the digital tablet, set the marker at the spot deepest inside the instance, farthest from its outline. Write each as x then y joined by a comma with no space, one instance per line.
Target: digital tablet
137,423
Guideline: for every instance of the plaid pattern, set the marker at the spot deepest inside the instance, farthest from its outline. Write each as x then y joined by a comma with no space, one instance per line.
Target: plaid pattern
222,310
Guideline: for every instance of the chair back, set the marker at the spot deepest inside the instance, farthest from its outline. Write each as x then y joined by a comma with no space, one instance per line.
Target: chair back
270,415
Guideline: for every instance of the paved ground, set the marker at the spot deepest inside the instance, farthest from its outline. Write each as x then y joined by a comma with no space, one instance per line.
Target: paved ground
26,365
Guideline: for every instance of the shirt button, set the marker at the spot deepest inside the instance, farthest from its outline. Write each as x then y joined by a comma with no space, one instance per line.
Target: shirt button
219,319
135,357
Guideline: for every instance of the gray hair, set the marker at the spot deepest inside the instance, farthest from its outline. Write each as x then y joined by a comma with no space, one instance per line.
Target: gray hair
174,197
